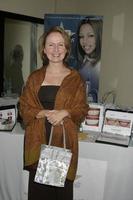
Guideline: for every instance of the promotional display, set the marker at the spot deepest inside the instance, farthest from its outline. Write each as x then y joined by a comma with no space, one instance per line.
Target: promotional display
94,119
118,122
7,117
85,32
117,127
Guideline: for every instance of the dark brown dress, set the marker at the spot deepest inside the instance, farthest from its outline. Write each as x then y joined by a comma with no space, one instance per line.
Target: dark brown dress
47,95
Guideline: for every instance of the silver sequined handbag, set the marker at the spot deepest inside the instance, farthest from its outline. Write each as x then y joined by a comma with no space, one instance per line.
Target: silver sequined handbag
53,163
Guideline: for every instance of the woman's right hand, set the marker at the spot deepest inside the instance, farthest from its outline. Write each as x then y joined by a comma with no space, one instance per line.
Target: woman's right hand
42,114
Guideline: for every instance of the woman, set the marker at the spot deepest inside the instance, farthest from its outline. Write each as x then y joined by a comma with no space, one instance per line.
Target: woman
52,93
89,53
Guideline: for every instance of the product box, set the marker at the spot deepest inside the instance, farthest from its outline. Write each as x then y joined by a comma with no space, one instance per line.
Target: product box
117,127
94,118
7,117
118,122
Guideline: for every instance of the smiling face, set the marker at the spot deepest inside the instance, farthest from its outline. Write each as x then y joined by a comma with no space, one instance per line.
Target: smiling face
87,38
55,47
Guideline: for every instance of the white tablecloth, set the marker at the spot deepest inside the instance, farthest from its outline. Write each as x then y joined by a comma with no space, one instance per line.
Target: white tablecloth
118,175
4,101
11,165
105,172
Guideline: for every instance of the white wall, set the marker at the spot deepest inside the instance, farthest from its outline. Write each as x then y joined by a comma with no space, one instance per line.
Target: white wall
116,69
35,8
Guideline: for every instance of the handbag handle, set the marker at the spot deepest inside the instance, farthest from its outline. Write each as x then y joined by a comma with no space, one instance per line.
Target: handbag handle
64,137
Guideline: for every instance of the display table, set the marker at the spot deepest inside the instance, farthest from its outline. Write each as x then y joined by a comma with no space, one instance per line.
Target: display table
105,171
11,165
4,101
118,166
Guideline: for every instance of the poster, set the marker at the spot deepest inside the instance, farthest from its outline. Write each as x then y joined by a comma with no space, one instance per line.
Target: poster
86,40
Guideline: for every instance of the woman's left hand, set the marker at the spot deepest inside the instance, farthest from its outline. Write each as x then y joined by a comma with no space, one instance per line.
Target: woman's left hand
55,117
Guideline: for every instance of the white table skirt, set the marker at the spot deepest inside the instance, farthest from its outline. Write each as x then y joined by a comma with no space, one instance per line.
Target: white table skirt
105,172
11,165
118,166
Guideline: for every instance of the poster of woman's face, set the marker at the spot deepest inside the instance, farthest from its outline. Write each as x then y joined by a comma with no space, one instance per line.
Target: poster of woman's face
89,54
86,41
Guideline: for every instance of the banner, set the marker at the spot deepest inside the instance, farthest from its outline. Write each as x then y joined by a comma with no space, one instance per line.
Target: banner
86,38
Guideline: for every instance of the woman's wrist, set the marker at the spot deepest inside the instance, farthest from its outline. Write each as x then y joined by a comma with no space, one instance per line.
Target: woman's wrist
42,114
66,113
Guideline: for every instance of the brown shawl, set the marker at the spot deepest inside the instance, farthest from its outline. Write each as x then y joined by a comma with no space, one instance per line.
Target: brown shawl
72,97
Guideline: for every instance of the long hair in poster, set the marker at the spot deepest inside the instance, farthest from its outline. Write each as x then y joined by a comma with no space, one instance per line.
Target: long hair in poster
86,40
